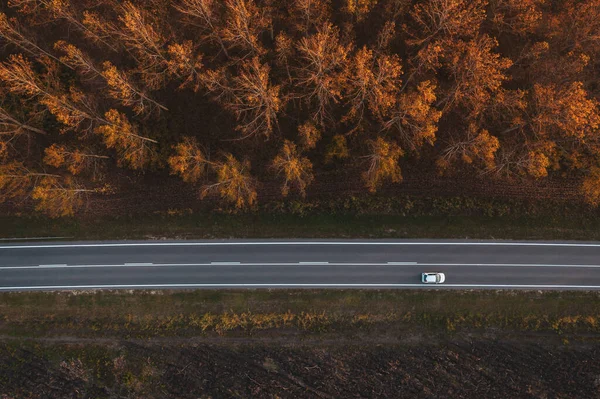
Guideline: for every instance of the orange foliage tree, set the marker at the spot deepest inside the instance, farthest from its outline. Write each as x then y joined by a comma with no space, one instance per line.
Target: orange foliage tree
296,169
306,14
447,19
60,197
309,135
478,148
189,161
133,150
204,15
383,163
477,73
244,23
415,118
62,10
73,159
74,109
374,84
234,182
519,17
16,180
323,69
121,88
12,33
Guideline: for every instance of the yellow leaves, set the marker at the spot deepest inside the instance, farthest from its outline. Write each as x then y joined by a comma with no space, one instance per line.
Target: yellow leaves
323,72
567,111
244,23
478,72
255,100
15,180
590,188
519,17
374,84
537,165
18,75
189,161
447,18
122,89
297,170
283,47
134,150
58,198
415,118
359,8
65,110
183,62
383,163
478,148
482,147
75,160
309,135
234,182
338,148
75,58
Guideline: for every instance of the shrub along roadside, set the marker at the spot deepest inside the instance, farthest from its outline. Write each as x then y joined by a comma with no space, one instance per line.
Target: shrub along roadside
206,313
349,217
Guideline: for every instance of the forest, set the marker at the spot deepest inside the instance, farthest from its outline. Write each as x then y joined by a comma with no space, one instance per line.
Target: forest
229,94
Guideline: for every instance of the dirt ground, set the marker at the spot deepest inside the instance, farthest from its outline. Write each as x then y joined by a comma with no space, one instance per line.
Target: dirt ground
300,344
454,369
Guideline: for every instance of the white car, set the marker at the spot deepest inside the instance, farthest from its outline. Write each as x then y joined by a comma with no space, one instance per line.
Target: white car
433,278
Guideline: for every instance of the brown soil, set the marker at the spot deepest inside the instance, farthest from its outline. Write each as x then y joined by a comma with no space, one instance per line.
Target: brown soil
457,369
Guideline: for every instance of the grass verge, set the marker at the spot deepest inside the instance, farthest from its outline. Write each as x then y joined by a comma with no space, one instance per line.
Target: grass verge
568,227
206,313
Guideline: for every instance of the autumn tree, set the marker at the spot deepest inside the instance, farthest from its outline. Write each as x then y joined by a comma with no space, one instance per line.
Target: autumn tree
244,23
256,101
60,197
13,127
337,148
383,163
186,64
415,118
590,187
12,33
284,52
16,180
99,29
323,70
527,160
75,110
374,84
296,169
74,160
566,113
307,14
477,73
448,19
60,10
133,150
359,8
476,147
576,27
309,135
206,16
519,17
121,88
234,182
147,44
189,161
249,95
77,59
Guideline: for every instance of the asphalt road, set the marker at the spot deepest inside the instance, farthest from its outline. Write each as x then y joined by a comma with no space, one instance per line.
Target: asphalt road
276,264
